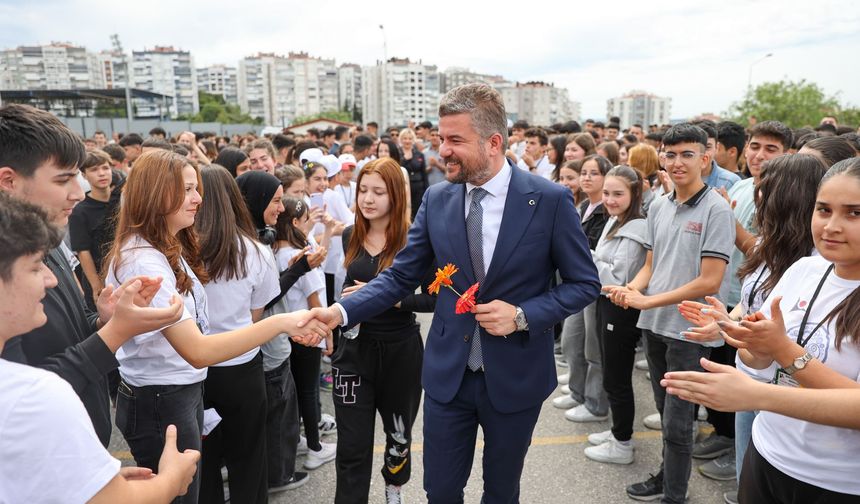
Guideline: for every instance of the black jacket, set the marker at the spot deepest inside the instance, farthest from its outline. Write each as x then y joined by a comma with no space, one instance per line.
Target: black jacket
594,224
69,346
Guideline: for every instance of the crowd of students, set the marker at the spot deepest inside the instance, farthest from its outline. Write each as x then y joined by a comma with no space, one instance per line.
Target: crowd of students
181,290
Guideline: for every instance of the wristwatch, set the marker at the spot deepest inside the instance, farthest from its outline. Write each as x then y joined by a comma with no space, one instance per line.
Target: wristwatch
798,363
520,319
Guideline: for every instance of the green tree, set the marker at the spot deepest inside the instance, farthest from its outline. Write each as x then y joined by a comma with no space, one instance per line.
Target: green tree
214,109
336,115
849,117
795,104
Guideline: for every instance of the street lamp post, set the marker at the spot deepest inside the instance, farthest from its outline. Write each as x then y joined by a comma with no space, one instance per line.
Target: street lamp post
384,45
749,79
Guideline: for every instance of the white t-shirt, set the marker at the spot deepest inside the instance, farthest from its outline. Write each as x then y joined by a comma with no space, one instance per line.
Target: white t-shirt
348,194
337,208
816,454
310,282
149,359
752,284
276,350
231,302
543,167
49,451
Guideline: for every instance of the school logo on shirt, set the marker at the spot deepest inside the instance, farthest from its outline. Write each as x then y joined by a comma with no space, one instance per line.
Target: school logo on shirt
693,227
819,344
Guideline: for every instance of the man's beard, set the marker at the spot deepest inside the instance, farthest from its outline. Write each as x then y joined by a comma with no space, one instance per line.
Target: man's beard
475,171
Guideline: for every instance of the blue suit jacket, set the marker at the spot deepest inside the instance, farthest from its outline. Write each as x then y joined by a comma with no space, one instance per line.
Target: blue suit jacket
540,233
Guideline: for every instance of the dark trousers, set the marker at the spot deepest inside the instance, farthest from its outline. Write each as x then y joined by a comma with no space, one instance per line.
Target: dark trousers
669,354
305,365
282,425
238,394
143,414
450,430
329,297
762,483
371,375
618,338
723,422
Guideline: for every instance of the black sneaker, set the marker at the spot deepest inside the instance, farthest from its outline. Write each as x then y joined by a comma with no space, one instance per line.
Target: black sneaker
648,490
298,479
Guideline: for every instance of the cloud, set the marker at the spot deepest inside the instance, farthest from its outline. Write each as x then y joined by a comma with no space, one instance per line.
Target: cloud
697,53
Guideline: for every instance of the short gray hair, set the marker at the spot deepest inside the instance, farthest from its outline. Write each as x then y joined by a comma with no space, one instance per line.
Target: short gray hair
483,104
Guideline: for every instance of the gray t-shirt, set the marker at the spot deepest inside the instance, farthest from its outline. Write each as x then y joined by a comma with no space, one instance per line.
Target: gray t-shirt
679,236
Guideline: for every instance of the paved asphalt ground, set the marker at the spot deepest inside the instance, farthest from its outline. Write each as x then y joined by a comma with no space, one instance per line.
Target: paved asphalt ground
556,470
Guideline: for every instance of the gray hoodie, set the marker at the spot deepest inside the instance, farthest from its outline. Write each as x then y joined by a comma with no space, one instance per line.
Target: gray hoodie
619,259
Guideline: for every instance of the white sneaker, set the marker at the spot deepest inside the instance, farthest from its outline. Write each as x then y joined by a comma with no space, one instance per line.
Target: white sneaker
611,452
598,438
327,453
702,415
581,414
564,402
327,425
653,421
641,364
393,495
565,389
303,446
564,379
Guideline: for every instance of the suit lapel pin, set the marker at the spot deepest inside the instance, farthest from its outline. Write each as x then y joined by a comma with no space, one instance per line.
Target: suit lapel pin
531,202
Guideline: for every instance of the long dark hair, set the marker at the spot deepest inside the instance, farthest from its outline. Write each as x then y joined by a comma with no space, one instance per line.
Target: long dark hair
230,158
221,224
846,314
285,231
393,149
557,145
785,200
633,180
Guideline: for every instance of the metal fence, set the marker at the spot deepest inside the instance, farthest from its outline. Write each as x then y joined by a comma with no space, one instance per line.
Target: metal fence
87,126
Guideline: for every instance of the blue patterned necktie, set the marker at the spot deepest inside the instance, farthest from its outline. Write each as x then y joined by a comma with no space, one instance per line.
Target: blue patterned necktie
474,232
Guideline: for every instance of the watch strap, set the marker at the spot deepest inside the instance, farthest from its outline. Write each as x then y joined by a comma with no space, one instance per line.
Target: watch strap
793,368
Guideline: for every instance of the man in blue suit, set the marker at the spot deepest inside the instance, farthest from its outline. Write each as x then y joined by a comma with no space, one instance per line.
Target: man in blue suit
510,231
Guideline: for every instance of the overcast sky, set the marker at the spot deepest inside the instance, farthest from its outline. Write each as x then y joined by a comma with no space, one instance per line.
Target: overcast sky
697,53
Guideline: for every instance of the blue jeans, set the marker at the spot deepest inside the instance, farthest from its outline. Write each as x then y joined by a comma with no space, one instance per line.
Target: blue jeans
743,435
143,414
668,354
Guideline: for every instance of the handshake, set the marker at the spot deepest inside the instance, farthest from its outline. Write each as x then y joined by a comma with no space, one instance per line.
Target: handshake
313,326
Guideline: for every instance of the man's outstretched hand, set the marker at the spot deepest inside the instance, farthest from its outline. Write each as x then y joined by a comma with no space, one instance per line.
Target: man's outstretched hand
330,316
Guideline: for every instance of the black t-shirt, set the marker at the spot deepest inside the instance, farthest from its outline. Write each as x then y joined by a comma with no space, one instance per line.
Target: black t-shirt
393,322
84,223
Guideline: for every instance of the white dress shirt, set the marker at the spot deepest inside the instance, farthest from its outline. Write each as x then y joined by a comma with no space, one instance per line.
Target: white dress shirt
494,206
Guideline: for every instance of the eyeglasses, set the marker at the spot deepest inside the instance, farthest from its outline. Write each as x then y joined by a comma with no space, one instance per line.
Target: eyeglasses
685,157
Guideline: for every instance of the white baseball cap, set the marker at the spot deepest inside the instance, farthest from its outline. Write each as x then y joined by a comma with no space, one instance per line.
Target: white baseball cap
347,160
310,155
332,165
